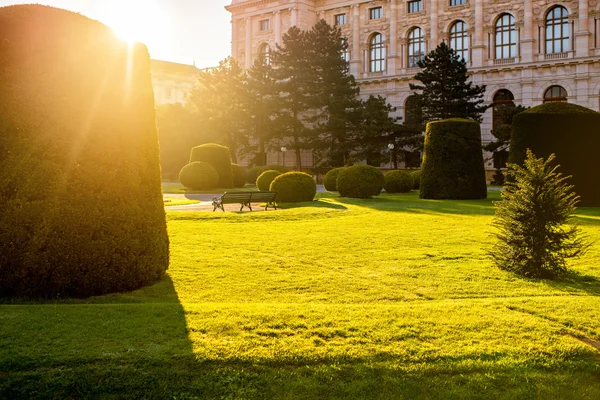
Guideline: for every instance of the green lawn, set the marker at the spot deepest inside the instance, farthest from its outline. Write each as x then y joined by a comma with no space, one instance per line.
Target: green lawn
390,298
179,202
178,188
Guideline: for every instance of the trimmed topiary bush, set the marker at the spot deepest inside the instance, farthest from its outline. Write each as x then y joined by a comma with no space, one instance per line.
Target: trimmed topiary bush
294,187
253,174
219,157
569,131
275,167
398,182
239,175
82,209
360,181
330,180
453,161
263,182
416,175
198,176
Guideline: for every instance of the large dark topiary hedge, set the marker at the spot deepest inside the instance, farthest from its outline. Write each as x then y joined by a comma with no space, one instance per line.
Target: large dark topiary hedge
219,157
569,131
453,161
294,187
198,176
360,181
330,180
82,210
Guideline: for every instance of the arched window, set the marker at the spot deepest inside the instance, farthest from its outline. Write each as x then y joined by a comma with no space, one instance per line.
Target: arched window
506,37
459,39
502,99
264,52
376,53
557,31
416,47
555,93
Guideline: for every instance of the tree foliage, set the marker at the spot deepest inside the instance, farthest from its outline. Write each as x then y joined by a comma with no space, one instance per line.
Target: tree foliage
532,239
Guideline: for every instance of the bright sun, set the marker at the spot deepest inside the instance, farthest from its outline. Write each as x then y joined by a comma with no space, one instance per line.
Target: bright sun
132,23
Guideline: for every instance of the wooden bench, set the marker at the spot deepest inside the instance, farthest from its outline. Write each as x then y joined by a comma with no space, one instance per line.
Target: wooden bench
245,199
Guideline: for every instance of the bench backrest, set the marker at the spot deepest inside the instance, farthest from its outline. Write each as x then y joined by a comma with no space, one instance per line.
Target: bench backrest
236,196
263,196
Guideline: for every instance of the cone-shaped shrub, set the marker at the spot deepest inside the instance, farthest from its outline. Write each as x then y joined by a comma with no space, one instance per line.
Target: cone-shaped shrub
453,161
360,181
571,132
330,180
253,174
263,182
219,157
198,176
533,238
239,175
294,187
398,182
82,209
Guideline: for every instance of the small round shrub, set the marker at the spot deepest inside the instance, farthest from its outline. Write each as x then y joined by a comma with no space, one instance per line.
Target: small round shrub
330,180
263,182
199,176
294,187
219,157
360,181
239,175
398,182
275,167
253,174
416,175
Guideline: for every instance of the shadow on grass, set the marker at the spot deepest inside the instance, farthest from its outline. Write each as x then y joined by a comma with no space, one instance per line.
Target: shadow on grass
575,282
312,204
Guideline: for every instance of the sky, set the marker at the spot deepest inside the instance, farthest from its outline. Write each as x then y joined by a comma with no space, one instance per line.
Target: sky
183,31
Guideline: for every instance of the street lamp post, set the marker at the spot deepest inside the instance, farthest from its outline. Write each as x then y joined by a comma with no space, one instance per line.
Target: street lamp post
393,159
283,150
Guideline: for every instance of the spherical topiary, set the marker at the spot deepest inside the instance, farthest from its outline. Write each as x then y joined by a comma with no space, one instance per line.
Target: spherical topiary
294,187
330,180
360,181
219,157
416,175
239,175
571,133
453,161
253,174
263,182
398,182
82,209
275,167
199,176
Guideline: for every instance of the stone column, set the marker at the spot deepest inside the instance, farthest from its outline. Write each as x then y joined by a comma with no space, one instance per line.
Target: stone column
248,42
355,56
478,47
234,39
294,16
433,24
277,27
393,51
527,40
582,35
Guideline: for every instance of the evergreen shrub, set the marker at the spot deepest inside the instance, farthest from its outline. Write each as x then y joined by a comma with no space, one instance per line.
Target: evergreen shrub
453,161
537,204
219,157
416,175
239,175
80,185
263,182
275,167
294,187
360,181
571,132
253,174
330,180
198,176
398,182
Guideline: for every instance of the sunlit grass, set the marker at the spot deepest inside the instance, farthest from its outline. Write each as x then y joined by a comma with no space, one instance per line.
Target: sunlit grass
385,298
179,202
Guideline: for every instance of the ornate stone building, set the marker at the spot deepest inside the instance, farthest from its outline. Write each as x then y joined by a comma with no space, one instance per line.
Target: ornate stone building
526,51
172,81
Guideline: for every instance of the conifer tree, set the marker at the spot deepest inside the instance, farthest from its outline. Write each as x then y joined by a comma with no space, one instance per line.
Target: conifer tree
532,239
444,90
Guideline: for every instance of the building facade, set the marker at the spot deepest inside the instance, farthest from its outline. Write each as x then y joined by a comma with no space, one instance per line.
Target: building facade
172,81
525,51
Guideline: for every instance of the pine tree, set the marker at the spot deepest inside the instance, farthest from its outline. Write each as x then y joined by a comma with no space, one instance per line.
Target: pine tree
445,92
532,239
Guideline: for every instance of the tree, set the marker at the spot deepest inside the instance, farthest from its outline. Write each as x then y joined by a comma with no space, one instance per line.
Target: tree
445,92
532,239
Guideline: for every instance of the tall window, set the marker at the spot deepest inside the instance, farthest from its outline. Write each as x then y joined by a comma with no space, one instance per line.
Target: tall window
557,31
376,53
459,39
502,98
555,93
506,37
415,6
263,25
264,52
340,19
416,47
457,2
375,13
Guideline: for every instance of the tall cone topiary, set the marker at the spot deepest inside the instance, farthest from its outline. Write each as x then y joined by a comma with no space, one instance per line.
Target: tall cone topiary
79,168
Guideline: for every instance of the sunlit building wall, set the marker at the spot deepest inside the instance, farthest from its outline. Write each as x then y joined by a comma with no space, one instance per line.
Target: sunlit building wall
172,81
526,51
